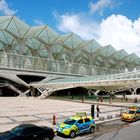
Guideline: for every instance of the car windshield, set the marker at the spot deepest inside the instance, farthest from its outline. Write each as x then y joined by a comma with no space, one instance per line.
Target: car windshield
131,112
69,121
17,131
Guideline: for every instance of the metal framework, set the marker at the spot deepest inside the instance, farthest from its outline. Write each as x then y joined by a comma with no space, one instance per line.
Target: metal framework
41,48
108,83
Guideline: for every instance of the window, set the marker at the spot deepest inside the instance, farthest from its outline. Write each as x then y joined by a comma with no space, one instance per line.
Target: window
131,112
87,120
80,121
31,130
138,112
17,130
69,121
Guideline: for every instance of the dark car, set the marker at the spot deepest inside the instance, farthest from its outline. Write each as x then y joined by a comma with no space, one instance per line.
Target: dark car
28,132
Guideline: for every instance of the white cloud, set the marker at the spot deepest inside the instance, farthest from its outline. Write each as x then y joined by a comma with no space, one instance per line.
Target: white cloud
39,22
100,6
78,25
120,32
4,8
117,30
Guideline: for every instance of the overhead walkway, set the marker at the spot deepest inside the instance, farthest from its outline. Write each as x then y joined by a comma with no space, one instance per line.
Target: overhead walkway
102,82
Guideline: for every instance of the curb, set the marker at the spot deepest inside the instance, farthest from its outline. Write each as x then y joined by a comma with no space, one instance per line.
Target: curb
109,120
95,103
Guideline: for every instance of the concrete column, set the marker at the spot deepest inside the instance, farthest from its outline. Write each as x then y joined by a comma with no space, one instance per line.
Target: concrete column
32,91
135,91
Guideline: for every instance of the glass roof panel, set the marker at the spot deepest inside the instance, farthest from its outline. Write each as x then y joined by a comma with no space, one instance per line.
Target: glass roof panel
4,21
131,57
48,35
107,51
33,43
43,53
112,61
20,48
58,48
63,37
1,46
5,37
35,31
91,46
43,33
21,26
137,61
17,27
121,54
73,41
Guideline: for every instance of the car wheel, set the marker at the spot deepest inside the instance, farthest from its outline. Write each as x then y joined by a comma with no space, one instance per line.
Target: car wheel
92,129
134,119
72,134
46,138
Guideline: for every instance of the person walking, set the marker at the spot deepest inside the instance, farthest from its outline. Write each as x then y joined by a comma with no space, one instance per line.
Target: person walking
83,99
98,110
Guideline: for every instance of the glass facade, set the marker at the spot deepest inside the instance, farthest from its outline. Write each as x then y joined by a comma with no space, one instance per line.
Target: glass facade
42,48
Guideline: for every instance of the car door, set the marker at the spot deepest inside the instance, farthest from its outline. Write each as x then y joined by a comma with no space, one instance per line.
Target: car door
87,124
32,133
80,125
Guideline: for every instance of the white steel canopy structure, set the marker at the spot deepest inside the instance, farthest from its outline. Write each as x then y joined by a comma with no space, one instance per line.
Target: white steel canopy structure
42,48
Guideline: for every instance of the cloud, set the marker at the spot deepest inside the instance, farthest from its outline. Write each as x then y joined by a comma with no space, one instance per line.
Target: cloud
100,6
117,30
4,8
78,25
39,22
120,32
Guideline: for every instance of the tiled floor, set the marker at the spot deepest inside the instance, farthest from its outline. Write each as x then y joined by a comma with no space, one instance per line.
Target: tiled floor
17,110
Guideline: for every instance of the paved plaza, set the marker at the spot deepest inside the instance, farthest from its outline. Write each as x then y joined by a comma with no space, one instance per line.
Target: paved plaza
17,110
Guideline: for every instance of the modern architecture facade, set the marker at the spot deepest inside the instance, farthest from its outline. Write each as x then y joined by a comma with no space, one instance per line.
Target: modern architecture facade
41,48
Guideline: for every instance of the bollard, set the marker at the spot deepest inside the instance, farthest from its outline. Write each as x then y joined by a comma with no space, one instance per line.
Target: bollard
109,117
54,120
92,111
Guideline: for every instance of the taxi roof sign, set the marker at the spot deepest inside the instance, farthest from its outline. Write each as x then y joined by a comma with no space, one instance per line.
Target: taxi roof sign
134,107
81,114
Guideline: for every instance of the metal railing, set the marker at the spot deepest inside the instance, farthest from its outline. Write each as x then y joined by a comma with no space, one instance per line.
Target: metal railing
24,62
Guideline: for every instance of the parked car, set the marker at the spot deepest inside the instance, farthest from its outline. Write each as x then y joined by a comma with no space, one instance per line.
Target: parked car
28,132
132,114
80,123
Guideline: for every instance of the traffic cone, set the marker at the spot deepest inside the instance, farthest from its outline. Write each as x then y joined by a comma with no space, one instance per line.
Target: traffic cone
54,120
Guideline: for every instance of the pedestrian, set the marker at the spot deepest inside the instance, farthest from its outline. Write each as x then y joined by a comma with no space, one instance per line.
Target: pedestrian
126,98
83,99
72,97
101,98
97,99
98,110
135,101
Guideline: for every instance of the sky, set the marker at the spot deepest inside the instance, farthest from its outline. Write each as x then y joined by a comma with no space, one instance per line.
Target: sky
114,22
